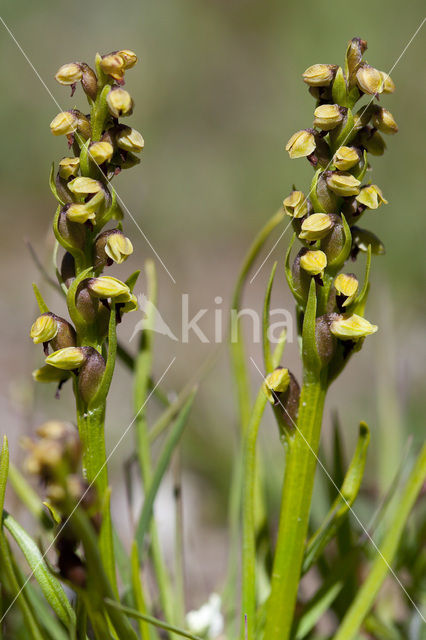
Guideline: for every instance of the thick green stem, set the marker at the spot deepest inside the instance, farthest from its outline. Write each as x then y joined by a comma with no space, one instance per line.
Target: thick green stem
295,506
91,426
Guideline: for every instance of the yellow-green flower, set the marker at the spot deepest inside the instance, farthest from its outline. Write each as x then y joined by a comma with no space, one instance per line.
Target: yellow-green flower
84,186
64,124
314,262
369,80
130,140
69,73
319,75
352,327
388,83
345,158
68,358
119,102
118,247
343,184
101,152
301,144
371,197
276,382
384,121
327,116
296,205
109,287
45,328
346,285
316,226
68,167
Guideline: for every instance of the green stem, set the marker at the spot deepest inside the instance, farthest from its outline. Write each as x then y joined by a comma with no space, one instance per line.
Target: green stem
295,505
91,427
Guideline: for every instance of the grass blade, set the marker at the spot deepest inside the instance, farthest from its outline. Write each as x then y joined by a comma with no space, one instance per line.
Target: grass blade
370,588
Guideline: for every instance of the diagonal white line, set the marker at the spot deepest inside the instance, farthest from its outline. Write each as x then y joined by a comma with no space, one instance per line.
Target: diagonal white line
346,502
346,138
88,488
88,151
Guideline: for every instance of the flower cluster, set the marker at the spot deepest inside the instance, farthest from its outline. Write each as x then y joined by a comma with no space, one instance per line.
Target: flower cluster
87,224
326,220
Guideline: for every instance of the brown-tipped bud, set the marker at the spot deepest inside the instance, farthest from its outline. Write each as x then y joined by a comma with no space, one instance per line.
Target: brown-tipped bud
68,269
362,239
333,243
101,152
325,341
72,232
352,327
319,75
384,121
130,140
119,102
346,286
68,167
296,205
371,197
90,374
354,53
113,65
369,80
328,116
345,158
314,262
64,124
363,116
83,125
111,246
69,73
301,144
326,198
316,226
372,141
89,81
301,278
388,83
343,184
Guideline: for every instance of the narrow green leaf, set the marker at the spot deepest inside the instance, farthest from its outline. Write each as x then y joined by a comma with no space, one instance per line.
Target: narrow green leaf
289,274
160,469
342,503
339,91
360,175
50,586
169,413
28,496
41,303
4,470
131,280
138,592
367,594
72,308
123,561
359,303
62,241
265,321
52,184
132,613
318,207
311,360
105,383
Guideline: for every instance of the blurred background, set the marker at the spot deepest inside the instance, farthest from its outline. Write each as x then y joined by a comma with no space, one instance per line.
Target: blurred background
218,92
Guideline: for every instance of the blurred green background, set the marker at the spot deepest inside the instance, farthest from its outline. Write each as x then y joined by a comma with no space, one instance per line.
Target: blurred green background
218,92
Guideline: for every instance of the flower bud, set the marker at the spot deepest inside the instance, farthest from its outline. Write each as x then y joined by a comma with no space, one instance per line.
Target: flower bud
84,186
119,102
384,121
334,242
354,53
64,124
296,205
369,80
108,287
314,262
67,436
345,158
129,58
113,65
275,383
44,329
316,226
67,268
68,167
371,197
301,144
352,327
319,75
346,286
68,358
84,127
363,116
69,73
372,141
111,246
90,374
343,184
101,152
89,81
328,116
45,459
362,239
130,140
72,232
83,212
388,83
324,339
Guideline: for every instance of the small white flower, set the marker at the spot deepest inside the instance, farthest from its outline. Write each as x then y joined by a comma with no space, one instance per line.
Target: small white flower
208,620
